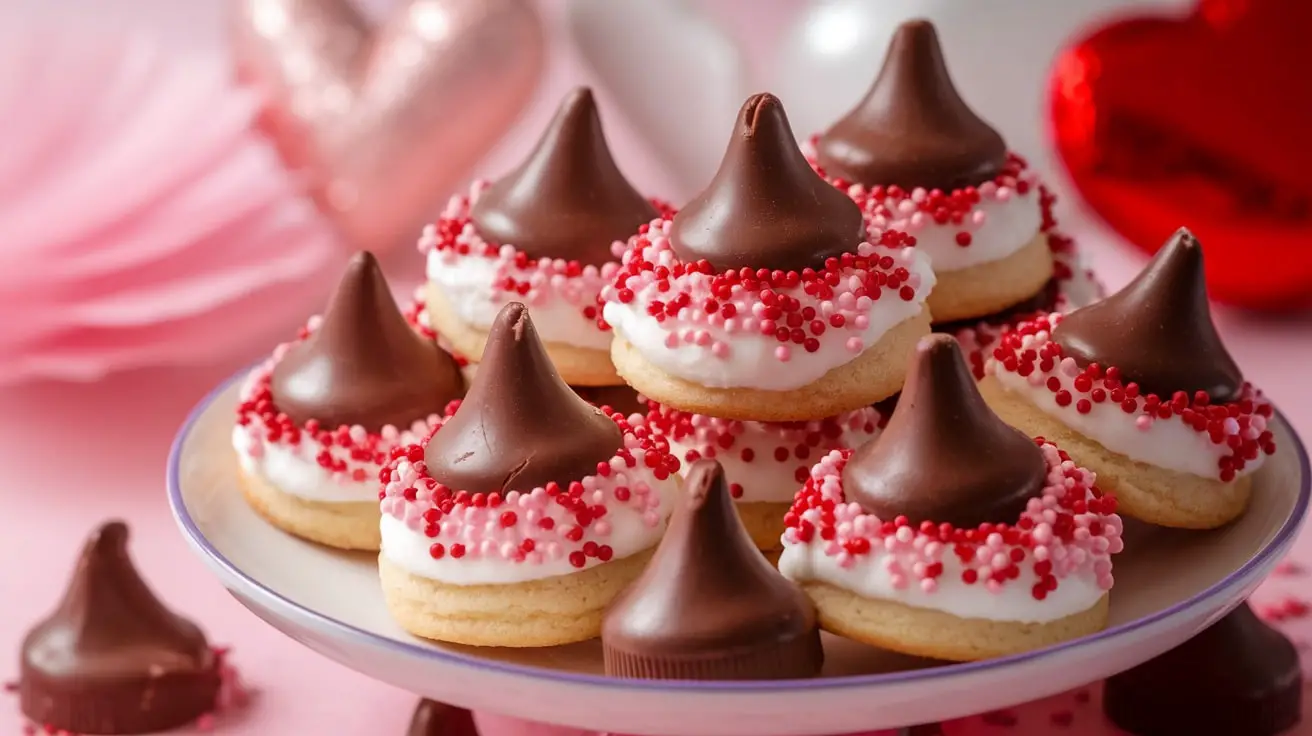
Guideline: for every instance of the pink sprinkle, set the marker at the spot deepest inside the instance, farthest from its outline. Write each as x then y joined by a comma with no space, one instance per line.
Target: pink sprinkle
782,353
205,723
1144,422
720,349
855,345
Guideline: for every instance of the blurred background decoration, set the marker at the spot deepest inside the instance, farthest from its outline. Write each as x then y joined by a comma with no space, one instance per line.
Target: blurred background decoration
384,120
143,221
212,162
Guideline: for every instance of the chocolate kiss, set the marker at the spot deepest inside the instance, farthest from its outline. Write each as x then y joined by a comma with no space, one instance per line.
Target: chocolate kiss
766,207
432,718
912,129
709,597
1239,677
945,456
107,607
568,199
364,364
520,427
1157,331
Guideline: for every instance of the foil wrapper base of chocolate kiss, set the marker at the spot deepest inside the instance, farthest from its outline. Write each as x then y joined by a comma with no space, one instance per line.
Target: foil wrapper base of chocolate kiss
1157,330
709,606
766,206
912,129
520,427
945,456
112,659
365,364
1239,677
568,199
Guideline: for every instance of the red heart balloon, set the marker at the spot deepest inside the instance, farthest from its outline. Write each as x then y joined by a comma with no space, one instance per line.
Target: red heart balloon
1203,121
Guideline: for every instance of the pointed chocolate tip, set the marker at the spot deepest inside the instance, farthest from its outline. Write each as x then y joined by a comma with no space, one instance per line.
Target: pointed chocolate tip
766,207
736,618
1239,676
945,457
364,364
520,427
912,128
1158,330
568,199
111,538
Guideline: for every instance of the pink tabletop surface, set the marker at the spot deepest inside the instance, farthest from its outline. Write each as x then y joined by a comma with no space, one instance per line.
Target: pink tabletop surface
72,456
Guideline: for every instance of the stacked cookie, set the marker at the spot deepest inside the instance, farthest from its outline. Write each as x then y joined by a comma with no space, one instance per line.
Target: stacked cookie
765,320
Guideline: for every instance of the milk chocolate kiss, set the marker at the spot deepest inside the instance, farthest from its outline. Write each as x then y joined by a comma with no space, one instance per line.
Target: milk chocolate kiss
568,199
112,659
432,718
364,364
912,129
945,456
520,427
709,606
1239,677
1157,330
766,207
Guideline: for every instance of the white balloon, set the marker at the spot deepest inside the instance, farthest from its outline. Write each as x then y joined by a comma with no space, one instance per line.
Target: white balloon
999,54
675,74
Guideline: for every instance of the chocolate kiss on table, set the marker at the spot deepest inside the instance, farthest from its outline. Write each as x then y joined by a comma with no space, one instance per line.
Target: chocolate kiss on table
1157,330
364,364
568,199
709,606
945,456
912,128
1240,677
112,659
766,207
432,718
520,427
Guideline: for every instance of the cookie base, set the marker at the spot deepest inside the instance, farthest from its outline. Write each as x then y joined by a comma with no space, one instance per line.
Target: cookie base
351,525
922,632
994,286
1145,492
536,613
577,366
872,376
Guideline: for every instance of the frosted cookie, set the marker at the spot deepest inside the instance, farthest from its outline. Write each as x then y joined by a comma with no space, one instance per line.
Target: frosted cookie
765,462
547,234
765,298
953,535
526,513
1139,388
709,606
319,419
919,160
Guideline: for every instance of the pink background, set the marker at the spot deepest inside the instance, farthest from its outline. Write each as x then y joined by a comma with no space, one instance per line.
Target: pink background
74,455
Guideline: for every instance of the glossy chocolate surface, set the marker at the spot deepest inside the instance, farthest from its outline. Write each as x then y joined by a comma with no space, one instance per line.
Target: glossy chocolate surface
945,456
568,199
365,364
766,207
912,128
709,606
520,427
1158,330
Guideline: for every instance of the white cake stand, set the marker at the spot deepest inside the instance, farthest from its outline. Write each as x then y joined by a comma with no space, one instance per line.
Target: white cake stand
1169,585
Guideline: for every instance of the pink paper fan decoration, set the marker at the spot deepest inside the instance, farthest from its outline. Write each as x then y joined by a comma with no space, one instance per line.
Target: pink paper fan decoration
142,220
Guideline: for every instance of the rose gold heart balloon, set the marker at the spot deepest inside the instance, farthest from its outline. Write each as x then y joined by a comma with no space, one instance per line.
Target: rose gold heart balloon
386,121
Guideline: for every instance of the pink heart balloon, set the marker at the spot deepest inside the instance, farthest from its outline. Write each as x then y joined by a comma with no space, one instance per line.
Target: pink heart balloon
386,121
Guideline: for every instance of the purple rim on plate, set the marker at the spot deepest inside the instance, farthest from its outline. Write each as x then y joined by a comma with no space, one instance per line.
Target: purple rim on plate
188,526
